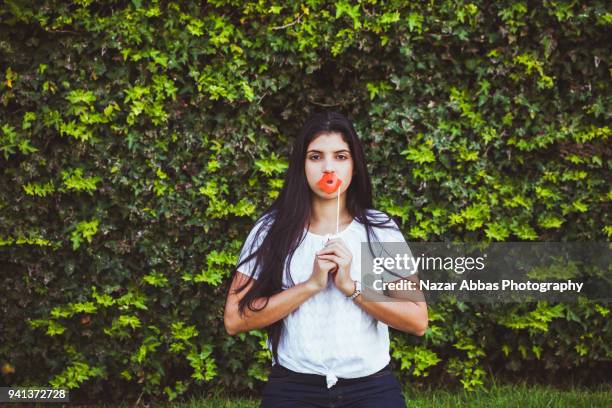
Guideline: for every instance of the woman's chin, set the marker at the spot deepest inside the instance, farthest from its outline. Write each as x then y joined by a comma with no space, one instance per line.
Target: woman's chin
327,196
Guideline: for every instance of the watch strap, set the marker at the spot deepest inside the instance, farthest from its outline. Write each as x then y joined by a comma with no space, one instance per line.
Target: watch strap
356,292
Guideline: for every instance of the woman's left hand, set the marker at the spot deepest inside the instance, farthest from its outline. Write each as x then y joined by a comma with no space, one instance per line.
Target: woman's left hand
336,251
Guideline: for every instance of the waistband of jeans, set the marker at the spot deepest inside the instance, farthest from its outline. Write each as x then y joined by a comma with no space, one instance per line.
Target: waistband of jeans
316,379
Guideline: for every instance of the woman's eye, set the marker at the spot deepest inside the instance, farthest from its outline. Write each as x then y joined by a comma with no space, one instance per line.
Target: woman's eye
314,157
342,157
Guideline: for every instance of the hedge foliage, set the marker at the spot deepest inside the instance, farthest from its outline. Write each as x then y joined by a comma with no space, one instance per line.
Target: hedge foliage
139,141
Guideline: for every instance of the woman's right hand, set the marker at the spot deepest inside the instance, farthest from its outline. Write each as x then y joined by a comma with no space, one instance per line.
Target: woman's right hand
320,272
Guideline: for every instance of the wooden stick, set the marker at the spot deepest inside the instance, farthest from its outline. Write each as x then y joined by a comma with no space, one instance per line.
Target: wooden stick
338,211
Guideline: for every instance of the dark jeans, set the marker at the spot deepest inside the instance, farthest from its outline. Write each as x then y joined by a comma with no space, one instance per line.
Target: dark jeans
287,388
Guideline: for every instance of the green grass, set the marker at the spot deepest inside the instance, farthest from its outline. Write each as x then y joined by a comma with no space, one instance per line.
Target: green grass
523,396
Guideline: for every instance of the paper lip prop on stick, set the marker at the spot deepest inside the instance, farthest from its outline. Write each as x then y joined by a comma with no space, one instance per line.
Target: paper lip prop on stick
329,183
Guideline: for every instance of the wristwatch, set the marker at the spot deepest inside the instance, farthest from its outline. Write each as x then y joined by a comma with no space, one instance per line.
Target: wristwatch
357,290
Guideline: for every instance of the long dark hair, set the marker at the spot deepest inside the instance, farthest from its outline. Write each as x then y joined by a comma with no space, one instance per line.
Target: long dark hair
287,219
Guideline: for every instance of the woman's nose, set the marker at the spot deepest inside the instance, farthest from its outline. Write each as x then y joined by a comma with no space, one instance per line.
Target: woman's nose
329,166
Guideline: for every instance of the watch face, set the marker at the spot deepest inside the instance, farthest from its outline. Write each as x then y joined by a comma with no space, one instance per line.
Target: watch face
358,285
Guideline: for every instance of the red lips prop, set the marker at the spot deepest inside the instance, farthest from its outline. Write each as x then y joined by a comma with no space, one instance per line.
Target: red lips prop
329,182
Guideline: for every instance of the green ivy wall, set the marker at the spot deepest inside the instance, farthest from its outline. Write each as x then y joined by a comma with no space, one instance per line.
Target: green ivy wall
139,141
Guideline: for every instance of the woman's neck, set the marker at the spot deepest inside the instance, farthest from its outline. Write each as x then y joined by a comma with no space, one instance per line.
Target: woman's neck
323,215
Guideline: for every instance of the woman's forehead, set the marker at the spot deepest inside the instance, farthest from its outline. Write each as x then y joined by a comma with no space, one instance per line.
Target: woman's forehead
328,141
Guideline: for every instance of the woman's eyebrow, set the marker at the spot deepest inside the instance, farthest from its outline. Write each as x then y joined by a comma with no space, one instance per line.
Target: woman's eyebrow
337,151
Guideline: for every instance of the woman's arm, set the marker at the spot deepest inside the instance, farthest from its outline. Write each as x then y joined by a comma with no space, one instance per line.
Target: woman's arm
279,305
409,315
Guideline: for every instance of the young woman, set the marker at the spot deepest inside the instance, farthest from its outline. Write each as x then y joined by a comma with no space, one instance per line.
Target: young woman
330,346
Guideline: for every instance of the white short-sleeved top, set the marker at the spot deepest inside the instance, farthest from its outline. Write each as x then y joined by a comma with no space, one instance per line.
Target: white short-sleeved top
329,334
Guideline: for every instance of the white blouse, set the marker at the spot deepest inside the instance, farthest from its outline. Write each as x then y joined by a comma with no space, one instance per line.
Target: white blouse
329,334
